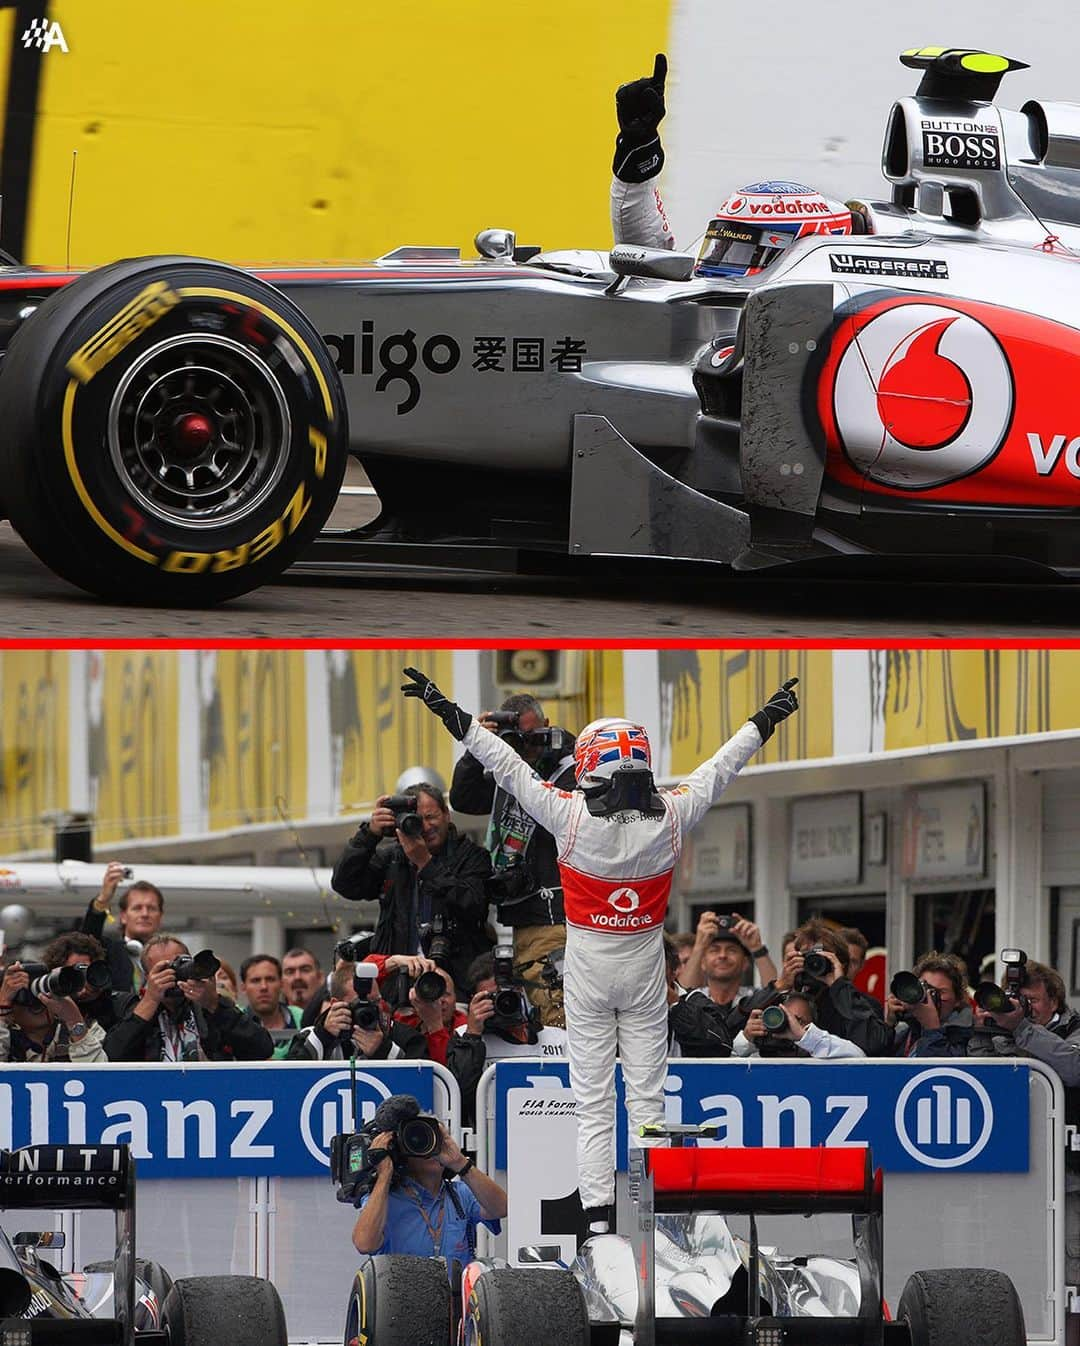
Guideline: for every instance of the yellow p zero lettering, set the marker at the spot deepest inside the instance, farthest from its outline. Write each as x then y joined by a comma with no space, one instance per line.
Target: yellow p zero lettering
267,540
297,507
317,440
187,562
231,560
121,330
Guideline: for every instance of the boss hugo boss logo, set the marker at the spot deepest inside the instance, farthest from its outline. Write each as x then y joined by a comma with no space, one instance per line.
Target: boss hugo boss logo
922,396
960,144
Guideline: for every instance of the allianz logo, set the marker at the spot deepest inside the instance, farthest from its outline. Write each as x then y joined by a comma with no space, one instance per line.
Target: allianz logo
943,1117
40,1112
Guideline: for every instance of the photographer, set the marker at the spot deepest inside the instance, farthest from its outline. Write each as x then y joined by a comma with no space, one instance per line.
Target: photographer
36,1026
696,1025
415,1207
142,909
435,1018
180,1016
356,1020
525,883
839,1007
940,1024
411,860
488,1035
96,1000
706,966
787,1028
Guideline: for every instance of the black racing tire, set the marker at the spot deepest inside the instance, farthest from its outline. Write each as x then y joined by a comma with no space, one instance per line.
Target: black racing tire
152,1274
399,1301
514,1305
962,1307
175,432
210,1310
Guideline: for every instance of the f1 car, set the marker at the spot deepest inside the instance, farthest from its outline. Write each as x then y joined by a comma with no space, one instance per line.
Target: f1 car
177,430
126,1301
681,1276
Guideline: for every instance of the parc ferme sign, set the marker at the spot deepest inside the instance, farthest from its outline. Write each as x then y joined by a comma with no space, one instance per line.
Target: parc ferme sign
202,1121
917,1116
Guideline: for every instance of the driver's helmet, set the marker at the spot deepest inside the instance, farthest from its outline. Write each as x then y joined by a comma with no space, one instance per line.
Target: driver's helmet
604,745
755,224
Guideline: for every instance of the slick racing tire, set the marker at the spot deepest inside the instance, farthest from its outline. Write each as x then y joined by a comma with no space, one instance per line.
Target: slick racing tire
510,1306
399,1301
174,432
962,1307
212,1310
154,1279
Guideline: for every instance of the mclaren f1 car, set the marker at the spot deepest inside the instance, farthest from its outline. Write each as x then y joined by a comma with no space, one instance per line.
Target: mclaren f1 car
125,1301
177,430
682,1275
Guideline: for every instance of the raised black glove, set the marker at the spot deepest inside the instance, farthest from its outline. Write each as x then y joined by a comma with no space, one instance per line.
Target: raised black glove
455,719
639,106
778,707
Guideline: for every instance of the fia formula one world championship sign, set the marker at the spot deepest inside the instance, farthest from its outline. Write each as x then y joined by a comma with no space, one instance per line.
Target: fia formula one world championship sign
925,1116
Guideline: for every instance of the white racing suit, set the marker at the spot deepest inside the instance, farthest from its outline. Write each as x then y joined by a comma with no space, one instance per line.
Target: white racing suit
616,874
638,215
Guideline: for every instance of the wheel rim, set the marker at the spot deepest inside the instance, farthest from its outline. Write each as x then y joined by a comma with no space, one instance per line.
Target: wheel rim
199,431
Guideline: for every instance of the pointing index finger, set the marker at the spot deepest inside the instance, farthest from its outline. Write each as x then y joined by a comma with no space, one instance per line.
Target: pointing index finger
789,684
659,74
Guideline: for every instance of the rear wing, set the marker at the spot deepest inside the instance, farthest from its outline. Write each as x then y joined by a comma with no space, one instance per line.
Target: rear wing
76,1177
763,1181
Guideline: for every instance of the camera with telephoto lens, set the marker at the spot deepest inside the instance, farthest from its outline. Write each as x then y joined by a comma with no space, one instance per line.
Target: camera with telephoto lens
406,819
815,963
777,1040
509,885
355,1158
551,740
188,967
905,986
994,999
429,987
60,981
511,1006
437,940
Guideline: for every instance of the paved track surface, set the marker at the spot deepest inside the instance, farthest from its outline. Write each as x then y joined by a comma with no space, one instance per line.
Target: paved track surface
628,605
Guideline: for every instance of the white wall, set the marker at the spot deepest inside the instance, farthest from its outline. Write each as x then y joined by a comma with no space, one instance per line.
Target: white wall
803,90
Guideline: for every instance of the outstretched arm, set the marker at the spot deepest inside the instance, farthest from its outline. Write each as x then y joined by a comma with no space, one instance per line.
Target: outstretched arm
637,213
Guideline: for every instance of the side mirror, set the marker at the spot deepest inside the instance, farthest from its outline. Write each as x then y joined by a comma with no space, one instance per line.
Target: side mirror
46,1238
537,1253
496,244
627,259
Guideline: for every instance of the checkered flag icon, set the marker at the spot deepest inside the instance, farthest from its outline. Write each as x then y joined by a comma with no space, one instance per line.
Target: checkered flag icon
35,35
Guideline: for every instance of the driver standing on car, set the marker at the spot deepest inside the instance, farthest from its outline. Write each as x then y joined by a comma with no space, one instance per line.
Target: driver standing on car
752,227
619,840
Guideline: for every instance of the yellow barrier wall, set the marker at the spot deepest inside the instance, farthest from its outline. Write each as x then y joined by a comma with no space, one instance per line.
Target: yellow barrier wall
281,130
33,745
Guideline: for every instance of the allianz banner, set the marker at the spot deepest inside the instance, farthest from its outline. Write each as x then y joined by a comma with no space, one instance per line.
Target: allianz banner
924,1116
209,1120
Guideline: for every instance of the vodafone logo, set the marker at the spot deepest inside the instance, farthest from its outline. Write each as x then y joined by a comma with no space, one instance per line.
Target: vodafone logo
923,395
624,899
735,206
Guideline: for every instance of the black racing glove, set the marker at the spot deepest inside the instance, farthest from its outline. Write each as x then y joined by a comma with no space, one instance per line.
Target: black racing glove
778,707
639,105
455,719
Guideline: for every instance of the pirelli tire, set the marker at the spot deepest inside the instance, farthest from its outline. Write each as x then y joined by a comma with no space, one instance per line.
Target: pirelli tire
213,1310
512,1305
174,432
961,1307
399,1301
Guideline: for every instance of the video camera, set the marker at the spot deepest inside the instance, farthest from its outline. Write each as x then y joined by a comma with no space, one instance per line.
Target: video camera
436,940
201,966
994,999
403,807
354,1157
61,981
912,991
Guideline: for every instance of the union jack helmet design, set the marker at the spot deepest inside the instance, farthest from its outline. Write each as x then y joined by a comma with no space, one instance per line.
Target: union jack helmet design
604,745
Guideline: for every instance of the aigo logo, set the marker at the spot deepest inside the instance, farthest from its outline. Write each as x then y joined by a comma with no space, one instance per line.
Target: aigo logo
327,1109
922,394
944,1117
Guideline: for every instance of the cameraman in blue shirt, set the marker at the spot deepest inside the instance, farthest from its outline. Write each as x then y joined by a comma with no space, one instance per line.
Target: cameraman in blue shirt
425,1207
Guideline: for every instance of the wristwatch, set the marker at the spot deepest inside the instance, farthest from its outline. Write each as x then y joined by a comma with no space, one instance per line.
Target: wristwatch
763,952
469,1163
77,1031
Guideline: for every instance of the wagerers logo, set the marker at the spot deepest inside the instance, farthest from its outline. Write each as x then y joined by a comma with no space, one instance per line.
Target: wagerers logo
867,264
960,144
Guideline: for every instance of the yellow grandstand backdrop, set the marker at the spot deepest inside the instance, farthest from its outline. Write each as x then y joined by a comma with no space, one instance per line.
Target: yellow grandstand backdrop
282,130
